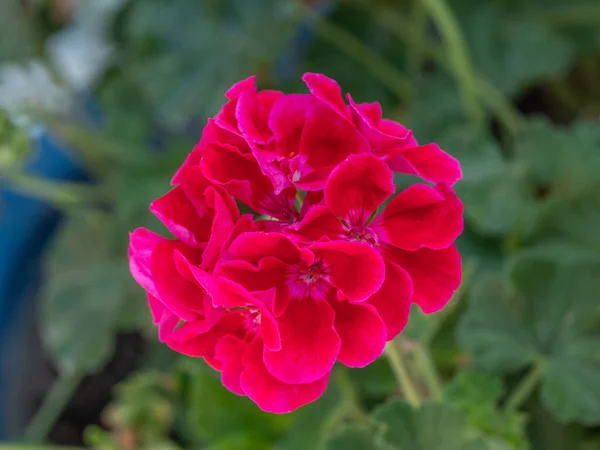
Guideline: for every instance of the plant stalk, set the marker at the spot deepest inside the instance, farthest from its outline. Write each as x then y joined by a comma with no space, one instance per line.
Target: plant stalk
394,356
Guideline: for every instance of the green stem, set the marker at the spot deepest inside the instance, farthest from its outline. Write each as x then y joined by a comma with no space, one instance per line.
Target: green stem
56,400
400,370
417,36
428,370
525,388
458,56
488,94
371,61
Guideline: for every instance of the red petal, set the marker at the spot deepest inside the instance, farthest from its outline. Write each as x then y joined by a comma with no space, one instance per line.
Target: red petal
382,134
229,351
428,161
435,274
327,138
286,120
182,218
162,317
357,187
247,84
270,394
327,90
422,216
180,294
362,331
142,243
224,213
252,113
393,300
354,267
239,174
318,223
309,343
200,338
252,247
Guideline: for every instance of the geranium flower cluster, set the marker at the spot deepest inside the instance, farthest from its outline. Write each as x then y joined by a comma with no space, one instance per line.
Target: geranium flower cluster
328,266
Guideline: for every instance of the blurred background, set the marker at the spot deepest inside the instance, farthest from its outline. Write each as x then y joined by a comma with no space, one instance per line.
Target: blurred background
101,100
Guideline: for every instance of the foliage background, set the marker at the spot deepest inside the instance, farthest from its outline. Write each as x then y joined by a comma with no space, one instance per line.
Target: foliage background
510,87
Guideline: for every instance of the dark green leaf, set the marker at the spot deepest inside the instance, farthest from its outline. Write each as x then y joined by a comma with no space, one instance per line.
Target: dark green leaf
552,316
352,437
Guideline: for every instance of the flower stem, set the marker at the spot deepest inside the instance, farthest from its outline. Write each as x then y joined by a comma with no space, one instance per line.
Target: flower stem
400,370
525,388
46,416
429,370
371,61
458,56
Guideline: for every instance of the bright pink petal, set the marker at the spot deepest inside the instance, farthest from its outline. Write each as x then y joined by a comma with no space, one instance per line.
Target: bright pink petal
327,139
199,338
287,119
357,187
224,214
362,332
252,114
326,90
393,300
229,351
428,161
162,317
435,274
354,267
423,216
382,134
269,393
182,218
181,294
142,243
252,247
309,343
319,223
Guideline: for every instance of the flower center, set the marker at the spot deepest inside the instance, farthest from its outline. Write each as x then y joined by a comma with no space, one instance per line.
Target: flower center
363,234
311,281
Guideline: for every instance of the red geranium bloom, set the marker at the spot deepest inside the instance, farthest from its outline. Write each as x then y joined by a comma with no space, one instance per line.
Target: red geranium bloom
273,301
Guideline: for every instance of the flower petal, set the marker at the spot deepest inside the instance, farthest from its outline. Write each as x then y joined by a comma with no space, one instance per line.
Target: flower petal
199,338
422,216
318,223
357,187
271,394
393,300
326,90
354,267
181,294
362,332
162,317
309,343
435,274
252,247
142,243
427,161
229,351
327,139
287,119
252,114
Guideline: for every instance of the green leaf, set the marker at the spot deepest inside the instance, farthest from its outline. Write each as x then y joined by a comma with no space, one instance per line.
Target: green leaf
80,314
512,51
431,427
352,437
212,413
551,316
477,395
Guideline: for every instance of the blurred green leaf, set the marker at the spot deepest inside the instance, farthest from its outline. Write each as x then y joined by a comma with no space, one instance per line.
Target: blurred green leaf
431,427
477,395
17,32
80,315
513,51
352,437
553,318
